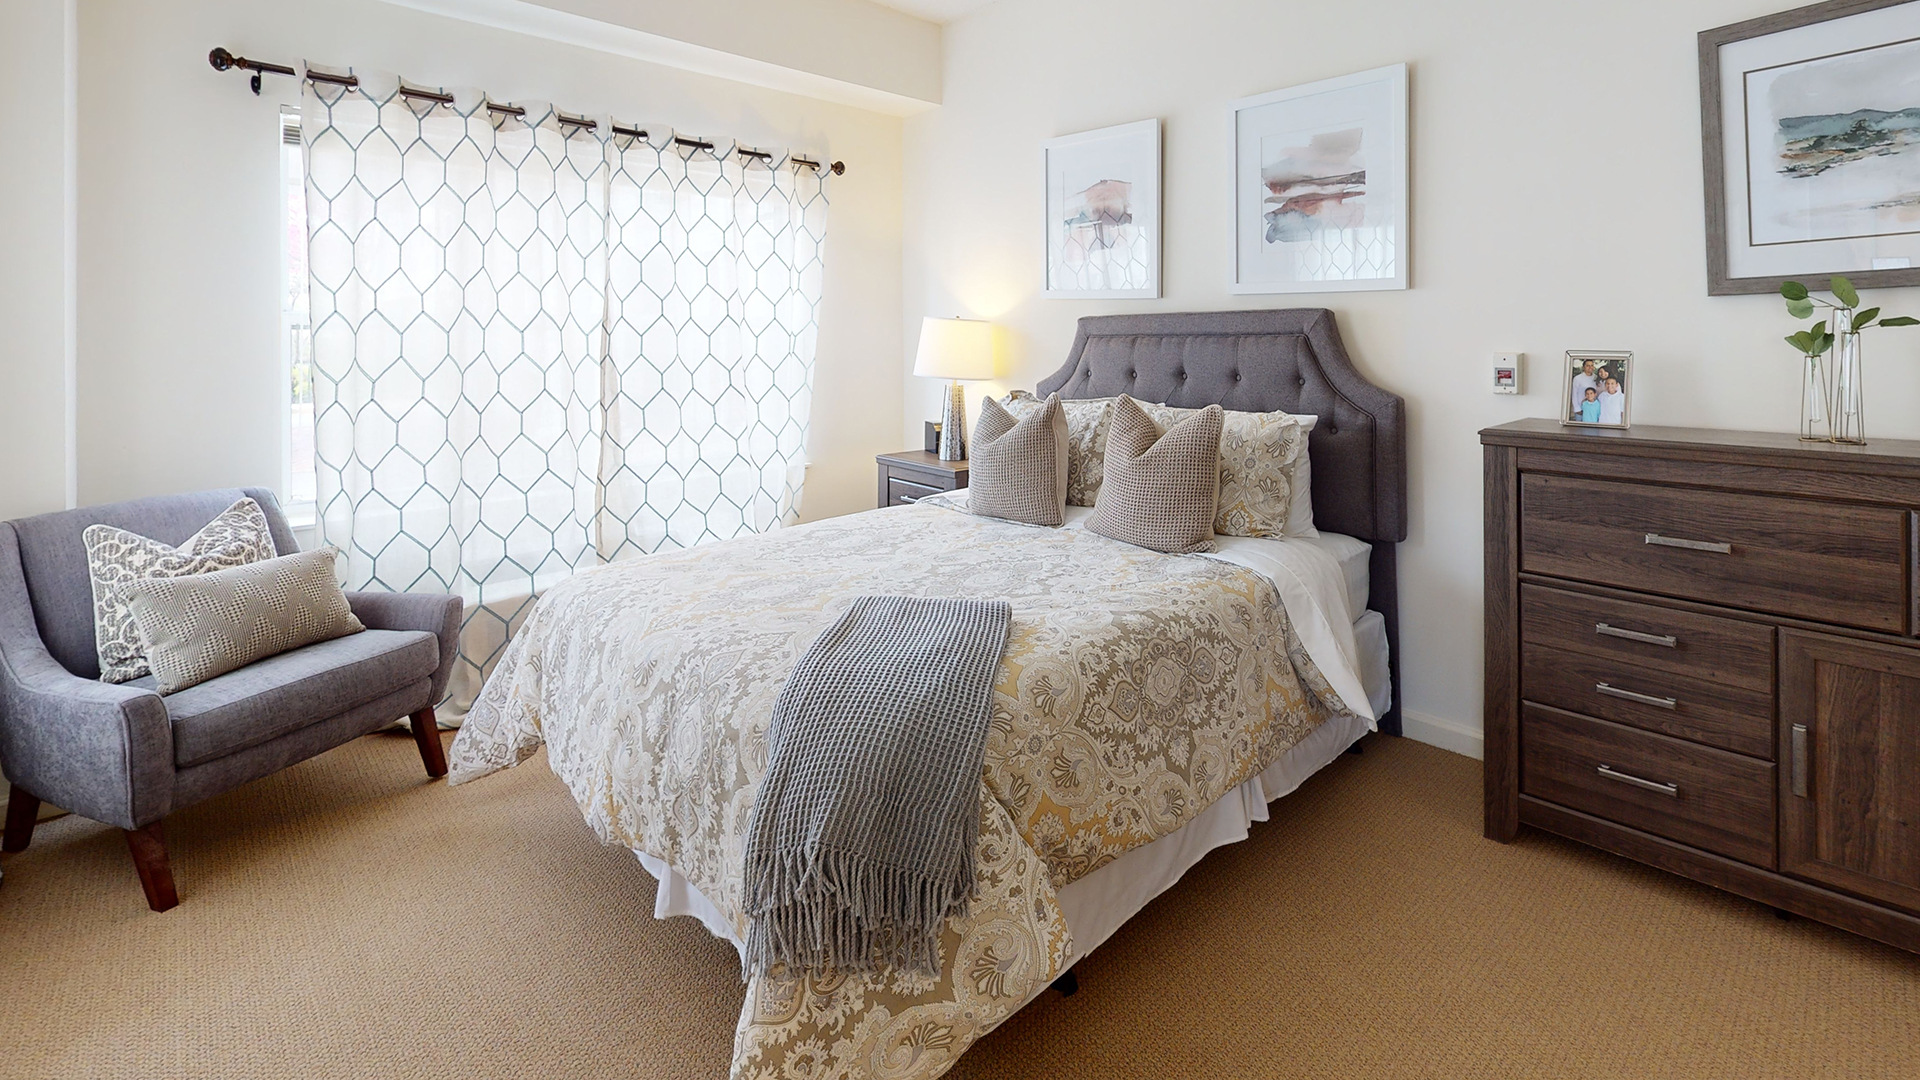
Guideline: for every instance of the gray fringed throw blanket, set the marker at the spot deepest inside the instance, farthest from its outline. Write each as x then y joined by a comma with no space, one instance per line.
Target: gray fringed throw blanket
861,842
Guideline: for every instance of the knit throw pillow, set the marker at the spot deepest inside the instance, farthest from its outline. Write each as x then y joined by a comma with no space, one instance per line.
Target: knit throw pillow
1259,456
1160,490
1087,421
204,625
117,558
1018,467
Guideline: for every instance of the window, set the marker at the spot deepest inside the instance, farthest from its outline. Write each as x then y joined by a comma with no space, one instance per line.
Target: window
296,349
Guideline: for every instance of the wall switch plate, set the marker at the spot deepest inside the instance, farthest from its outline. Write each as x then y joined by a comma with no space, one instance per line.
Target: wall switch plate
1506,372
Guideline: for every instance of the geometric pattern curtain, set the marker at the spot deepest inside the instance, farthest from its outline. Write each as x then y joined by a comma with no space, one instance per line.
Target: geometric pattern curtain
539,347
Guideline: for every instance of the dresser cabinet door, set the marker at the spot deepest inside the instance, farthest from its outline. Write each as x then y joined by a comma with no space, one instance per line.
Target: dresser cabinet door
1850,775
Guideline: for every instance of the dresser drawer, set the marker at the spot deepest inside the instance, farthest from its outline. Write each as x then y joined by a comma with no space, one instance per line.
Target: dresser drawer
1730,717
1696,795
1824,561
1726,651
900,490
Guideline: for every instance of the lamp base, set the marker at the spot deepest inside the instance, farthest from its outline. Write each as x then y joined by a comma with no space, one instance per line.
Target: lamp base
953,424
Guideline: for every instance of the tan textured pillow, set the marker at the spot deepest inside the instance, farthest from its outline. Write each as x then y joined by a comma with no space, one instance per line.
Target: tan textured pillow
1259,456
205,625
116,558
1160,489
1087,421
1018,467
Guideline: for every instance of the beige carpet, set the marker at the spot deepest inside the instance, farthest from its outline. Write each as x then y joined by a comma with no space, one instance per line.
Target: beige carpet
349,919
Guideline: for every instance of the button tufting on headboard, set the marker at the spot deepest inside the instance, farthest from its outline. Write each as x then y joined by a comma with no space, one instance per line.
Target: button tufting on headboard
1256,361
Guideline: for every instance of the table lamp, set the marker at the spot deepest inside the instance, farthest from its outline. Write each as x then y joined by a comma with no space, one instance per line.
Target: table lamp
954,349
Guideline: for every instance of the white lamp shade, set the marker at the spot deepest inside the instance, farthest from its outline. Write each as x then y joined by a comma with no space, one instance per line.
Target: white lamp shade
955,349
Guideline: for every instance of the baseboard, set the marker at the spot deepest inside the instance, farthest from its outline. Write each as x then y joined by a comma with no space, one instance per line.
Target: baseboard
1445,734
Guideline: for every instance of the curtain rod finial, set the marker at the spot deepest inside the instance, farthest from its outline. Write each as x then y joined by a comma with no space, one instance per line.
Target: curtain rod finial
221,59
839,168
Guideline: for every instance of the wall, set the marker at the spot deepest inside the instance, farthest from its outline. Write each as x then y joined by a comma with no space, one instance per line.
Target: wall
851,41
34,272
1557,205
178,251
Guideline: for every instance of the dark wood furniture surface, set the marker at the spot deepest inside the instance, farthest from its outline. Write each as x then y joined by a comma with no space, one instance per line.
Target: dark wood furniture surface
1703,653
911,475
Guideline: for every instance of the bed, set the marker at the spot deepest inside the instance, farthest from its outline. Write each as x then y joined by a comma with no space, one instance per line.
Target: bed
1147,707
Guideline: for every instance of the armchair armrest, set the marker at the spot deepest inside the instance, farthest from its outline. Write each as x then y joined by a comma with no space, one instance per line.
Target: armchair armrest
100,750
436,613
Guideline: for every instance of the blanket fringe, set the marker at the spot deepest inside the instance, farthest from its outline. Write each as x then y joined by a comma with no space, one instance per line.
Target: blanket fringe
837,911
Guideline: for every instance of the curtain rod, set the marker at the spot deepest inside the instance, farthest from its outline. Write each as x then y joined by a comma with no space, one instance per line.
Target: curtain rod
222,60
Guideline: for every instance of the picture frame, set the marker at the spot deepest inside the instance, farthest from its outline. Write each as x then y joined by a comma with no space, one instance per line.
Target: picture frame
1597,370
1321,188
1102,224
1810,141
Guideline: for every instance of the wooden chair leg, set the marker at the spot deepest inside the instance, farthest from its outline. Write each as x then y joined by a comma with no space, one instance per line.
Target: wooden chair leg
22,811
149,848
426,733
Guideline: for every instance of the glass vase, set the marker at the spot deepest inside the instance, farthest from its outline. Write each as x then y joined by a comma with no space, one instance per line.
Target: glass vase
1814,392
1845,413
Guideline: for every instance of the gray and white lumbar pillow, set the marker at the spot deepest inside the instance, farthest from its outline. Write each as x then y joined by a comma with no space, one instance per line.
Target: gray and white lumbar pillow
1160,490
204,625
1018,469
117,558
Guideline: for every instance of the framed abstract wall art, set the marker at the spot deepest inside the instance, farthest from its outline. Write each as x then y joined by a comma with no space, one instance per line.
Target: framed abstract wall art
1320,186
1103,213
1810,137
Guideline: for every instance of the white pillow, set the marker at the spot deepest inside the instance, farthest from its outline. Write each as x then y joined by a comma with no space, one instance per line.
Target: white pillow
1300,514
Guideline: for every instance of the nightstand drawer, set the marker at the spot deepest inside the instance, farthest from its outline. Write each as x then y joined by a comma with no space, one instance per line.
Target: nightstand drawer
901,491
912,475
1825,561
1710,799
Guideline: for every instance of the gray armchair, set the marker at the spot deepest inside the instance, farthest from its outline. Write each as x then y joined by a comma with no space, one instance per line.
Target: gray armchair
123,754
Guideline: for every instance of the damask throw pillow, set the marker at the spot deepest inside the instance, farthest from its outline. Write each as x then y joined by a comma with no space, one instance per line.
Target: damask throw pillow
1160,490
201,626
1087,421
1018,467
117,558
1260,456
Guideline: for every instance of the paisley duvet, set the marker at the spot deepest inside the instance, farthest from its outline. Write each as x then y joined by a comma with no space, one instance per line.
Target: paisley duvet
1136,689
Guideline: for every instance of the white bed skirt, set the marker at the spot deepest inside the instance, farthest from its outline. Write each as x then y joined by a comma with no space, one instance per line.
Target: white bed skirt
1097,905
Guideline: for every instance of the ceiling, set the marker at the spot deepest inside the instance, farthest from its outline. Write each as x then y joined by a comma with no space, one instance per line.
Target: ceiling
940,11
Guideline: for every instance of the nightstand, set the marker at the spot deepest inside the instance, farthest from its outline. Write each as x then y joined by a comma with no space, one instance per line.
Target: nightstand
911,475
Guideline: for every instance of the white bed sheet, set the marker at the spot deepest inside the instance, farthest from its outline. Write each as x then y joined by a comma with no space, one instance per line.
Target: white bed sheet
1313,576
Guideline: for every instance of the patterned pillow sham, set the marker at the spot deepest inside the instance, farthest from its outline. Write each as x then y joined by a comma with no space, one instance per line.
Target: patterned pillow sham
1087,421
201,626
1160,488
1259,456
1018,470
116,558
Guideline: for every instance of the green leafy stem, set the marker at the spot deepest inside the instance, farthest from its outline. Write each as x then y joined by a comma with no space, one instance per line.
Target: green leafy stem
1819,337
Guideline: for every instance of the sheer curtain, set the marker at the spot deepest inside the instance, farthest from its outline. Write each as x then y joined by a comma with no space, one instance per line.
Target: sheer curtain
538,346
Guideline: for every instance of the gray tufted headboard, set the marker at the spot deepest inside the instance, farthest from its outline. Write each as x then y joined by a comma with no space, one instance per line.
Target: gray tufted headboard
1258,361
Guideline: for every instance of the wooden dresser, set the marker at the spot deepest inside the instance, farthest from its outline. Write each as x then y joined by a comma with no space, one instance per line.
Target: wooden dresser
1703,653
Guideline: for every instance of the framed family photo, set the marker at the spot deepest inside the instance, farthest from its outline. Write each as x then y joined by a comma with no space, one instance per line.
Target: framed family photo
1103,213
1596,389
1810,137
1320,188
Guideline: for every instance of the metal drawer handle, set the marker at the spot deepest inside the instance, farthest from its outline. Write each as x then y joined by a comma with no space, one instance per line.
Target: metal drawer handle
911,498
1664,640
1691,545
1800,760
1644,699
1669,790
